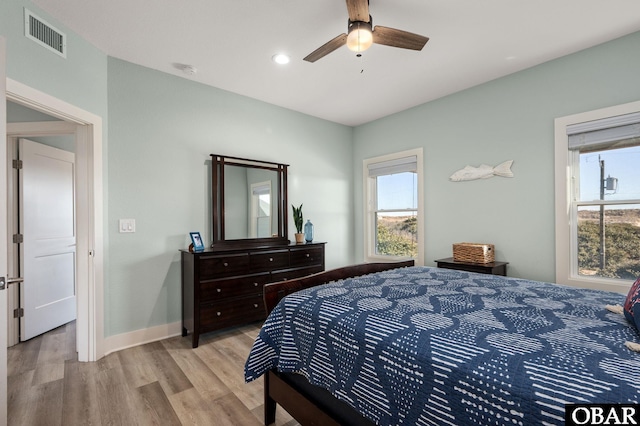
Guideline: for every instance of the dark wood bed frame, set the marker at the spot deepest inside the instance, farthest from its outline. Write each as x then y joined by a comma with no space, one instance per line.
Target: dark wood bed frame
308,404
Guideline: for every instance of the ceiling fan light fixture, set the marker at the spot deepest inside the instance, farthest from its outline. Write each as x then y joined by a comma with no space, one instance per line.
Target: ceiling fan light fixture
360,37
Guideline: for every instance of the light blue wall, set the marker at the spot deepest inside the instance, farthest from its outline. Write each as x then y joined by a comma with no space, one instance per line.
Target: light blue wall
20,114
511,118
162,130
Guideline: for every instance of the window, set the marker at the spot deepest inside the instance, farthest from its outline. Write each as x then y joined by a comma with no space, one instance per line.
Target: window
600,228
393,207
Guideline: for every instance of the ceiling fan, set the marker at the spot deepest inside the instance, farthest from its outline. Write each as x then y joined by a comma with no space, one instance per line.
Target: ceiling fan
361,34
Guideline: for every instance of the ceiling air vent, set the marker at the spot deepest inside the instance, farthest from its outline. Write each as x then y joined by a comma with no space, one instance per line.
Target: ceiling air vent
41,32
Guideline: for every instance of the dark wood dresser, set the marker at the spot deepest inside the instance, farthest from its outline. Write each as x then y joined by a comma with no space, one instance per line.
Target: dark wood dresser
223,288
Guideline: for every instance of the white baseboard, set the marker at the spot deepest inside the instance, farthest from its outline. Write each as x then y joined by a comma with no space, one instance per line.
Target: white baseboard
140,337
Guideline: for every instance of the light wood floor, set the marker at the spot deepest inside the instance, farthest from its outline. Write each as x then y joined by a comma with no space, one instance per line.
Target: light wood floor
160,383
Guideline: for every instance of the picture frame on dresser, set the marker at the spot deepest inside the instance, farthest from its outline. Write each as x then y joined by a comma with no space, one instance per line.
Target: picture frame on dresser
196,240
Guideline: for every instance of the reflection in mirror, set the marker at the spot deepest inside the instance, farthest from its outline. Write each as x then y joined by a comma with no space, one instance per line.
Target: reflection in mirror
261,210
249,199
248,209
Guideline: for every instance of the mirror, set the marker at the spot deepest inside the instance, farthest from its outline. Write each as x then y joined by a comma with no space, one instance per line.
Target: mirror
249,199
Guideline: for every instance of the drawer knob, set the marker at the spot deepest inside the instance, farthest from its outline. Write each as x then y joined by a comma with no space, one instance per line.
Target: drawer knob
218,313
255,305
225,264
218,290
271,259
255,284
308,255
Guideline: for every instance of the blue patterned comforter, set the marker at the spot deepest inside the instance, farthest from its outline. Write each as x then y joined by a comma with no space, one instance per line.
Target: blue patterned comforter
429,346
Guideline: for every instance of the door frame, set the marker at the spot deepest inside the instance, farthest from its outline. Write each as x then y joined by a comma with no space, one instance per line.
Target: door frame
89,219
3,235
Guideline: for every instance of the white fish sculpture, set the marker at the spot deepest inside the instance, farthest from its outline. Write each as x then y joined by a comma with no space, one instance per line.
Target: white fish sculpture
483,172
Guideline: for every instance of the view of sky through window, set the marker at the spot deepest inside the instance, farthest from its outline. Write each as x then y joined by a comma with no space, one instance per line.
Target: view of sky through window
623,164
398,191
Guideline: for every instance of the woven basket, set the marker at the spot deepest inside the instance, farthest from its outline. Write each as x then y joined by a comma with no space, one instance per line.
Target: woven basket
473,253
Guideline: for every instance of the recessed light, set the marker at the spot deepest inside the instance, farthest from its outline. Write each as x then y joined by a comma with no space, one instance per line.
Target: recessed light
280,58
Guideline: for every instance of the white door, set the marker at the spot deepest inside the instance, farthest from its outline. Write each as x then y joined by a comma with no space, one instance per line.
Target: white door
47,213
3,236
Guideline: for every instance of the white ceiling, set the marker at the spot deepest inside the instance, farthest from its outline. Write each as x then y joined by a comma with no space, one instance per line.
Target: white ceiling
231,43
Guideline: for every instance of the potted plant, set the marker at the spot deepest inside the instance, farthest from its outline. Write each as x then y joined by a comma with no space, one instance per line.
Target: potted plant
298,221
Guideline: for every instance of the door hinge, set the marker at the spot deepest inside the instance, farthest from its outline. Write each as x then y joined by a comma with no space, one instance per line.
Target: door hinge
18,238
18,313
17,164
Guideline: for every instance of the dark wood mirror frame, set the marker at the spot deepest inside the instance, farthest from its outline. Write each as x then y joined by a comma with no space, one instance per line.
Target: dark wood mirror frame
218,163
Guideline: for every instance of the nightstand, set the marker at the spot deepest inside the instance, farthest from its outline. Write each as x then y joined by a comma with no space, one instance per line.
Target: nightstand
494,268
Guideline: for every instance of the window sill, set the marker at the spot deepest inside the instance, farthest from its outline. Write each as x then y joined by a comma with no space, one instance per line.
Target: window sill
617,286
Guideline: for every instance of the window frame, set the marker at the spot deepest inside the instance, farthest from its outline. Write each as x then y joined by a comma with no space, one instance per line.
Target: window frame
369,203
566,163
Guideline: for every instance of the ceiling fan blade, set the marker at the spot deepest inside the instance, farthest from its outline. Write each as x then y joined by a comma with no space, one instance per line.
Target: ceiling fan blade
327,48
358,10
398,38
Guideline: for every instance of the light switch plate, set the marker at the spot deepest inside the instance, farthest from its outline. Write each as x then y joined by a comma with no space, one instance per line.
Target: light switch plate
127,225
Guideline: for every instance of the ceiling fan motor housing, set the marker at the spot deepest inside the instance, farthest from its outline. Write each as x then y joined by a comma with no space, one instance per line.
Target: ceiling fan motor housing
353,25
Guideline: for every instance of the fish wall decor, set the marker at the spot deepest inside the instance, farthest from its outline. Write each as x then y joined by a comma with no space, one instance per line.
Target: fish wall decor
483,172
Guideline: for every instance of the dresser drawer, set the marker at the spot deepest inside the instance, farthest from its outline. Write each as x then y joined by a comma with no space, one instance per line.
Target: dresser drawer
223,266
290,274
307,256
241,310
233,287
269,260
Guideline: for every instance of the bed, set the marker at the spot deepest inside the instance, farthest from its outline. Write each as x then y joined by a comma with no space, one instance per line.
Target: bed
421,345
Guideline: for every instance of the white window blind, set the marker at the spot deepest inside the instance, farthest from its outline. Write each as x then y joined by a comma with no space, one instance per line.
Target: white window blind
592,135
398,165
261,190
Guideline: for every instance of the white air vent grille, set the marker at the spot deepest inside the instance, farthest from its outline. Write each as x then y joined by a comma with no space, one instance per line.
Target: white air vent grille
41,32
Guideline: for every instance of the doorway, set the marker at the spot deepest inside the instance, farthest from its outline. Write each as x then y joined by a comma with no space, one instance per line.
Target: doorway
41,212
90,256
